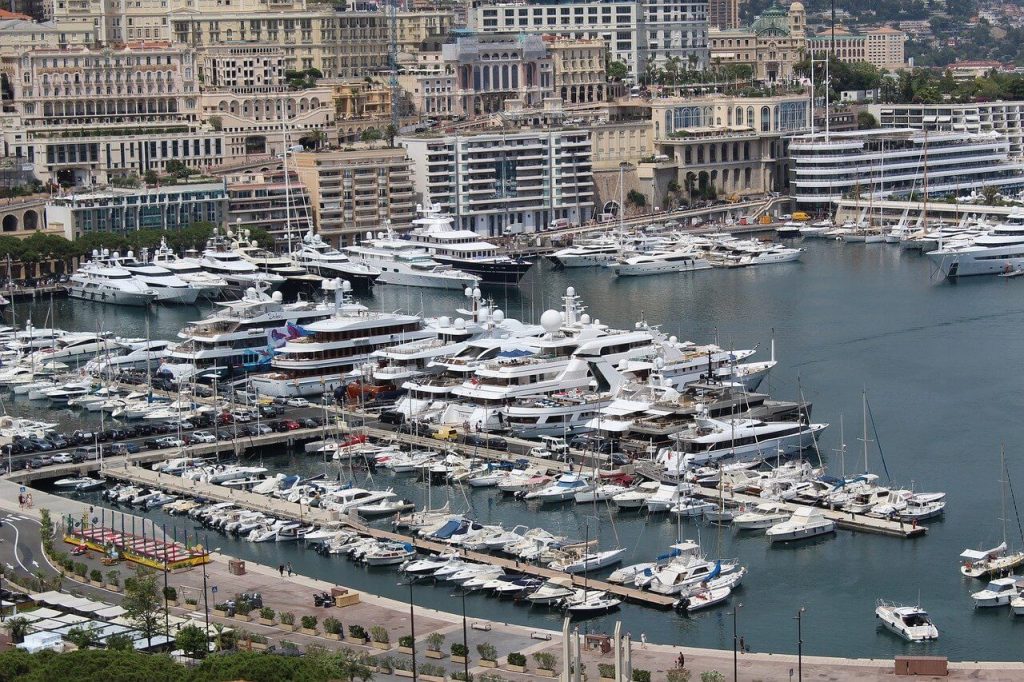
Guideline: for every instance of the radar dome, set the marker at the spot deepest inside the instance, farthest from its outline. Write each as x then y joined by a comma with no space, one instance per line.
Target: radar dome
623,364
571,291
346,285
130,255
637,325
116,254
469,291
659,363
585,318
498,316
460,323
551,320
443,322
250,292
477,293
277,297
673,339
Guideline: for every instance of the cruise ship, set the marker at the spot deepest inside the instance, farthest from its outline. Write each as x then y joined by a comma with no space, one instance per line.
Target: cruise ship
320,258
332,352
240,336
999,250
464,249
404,262
100,280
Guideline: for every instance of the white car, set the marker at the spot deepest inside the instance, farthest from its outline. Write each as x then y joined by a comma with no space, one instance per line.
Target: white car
62,458
298,402
203,437
171,442
242,416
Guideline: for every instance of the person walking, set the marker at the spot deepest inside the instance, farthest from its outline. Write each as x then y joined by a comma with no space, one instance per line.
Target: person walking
289,569
643,640
280,568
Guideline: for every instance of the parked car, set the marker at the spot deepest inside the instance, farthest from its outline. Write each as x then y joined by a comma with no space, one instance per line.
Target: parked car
39,462
448,433
392,417
292,425
297,402
203,437
62,458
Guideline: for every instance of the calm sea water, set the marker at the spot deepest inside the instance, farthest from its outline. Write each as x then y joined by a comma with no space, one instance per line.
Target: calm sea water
941,366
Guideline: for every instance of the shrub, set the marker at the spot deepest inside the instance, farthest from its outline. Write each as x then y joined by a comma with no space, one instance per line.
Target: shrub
678,675
516,658
640,675
243,607
288,646
406,641
170,594
401,664
487,651
113,578
267,613
332,625
546,661
379,634
309,622
491,677
191,601
357,632
459,649
434,641
287,618
464,676
712,676
386,664
81,569
431,669
95,575
221,607
606,670
120,642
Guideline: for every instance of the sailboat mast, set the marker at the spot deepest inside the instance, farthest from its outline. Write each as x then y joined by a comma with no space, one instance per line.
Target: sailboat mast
864,408
1002,488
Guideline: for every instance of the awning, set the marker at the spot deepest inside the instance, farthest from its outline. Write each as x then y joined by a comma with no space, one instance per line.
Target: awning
619,408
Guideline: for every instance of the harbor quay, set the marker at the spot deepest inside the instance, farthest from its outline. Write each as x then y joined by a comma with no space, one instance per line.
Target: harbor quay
286,591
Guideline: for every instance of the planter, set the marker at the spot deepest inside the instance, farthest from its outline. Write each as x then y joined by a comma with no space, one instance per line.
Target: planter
265,621
286,627
488,664
333,635
517,668
403,673
312,632
431,678
354,641
383,646
434,654
96,583
545,673
405,650
258,646
606,679
113,588
171,602
458,659
241,617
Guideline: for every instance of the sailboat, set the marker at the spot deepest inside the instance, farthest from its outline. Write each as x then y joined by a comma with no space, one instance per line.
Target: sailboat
584,602
998,561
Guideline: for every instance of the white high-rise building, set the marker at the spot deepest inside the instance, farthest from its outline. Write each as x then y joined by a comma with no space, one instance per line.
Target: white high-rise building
494,183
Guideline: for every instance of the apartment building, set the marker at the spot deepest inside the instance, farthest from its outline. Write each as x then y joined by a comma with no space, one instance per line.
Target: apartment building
413,28
265,200
1005,118
127,210
723,14
356,191
771,45
496,182
491,68
637,33
579,68
881,47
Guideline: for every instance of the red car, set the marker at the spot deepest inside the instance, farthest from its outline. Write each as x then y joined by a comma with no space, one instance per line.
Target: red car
292,424
225,418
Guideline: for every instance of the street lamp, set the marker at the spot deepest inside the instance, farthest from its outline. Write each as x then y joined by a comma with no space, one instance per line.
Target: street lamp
465,634
735,644
412,631
800,645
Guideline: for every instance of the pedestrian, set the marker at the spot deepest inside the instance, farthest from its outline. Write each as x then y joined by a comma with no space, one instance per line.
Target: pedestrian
28,500
681,661
21,501
289,569
280,569
742,646
643,640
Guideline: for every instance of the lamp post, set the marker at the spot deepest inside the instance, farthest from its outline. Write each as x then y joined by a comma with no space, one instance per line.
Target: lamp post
412,631
465,634
800,645
735,644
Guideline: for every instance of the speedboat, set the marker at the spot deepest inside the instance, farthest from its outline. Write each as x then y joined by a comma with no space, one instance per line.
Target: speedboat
806,522
764,515
562,490
592,603
636,498
591,561
627,574
909,622
552,591
998,592
691,507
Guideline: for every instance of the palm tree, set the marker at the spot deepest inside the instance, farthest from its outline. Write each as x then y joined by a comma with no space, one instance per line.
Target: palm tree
18,628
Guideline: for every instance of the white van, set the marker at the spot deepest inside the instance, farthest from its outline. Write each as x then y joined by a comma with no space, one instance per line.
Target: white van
559,224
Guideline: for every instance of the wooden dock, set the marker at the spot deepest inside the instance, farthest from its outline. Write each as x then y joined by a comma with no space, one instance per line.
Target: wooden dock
845,520
282,508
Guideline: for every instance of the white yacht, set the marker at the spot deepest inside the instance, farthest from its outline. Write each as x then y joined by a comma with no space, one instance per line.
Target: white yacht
240,336
998,592
320,258
806,522
122,354
295,275
407,263
331,352
465,250
713,441
169,287
70,349
587,253
190,270
100,280
659,262
999,250
909,622
225,262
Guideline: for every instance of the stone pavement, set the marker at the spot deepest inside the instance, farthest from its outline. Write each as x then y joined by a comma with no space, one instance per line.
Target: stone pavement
295,594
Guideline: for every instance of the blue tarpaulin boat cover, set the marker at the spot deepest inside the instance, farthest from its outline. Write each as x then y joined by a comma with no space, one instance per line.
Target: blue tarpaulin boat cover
447,530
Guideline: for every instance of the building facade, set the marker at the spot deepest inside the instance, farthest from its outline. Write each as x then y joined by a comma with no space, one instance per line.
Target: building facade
496,183
771,45
881,47
892,163
723,14
579,67
357,191
636,33
413,28
1005,118
490,69
267,201
127,210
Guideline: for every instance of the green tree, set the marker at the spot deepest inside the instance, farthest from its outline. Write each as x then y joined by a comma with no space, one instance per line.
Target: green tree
617,71
371,135
142,603
151,177
865,120
83,637
636,198
193,641
17,628
120,642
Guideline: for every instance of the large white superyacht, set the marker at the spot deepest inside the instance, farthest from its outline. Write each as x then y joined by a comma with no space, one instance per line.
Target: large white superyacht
999,250
169,288
407,263
320,258
331,352
190,270
102,281
240,336
220,259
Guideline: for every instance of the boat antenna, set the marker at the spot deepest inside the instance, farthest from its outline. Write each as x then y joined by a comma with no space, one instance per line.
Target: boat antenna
1013,500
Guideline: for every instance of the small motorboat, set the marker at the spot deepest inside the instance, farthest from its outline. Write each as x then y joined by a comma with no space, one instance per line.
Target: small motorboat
692,507
385,507
589,562
998,592
593,604
764,515
705,598
552,591
806,522
909,622
627,574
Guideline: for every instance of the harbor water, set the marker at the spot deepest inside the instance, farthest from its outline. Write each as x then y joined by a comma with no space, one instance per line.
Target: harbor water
941,367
